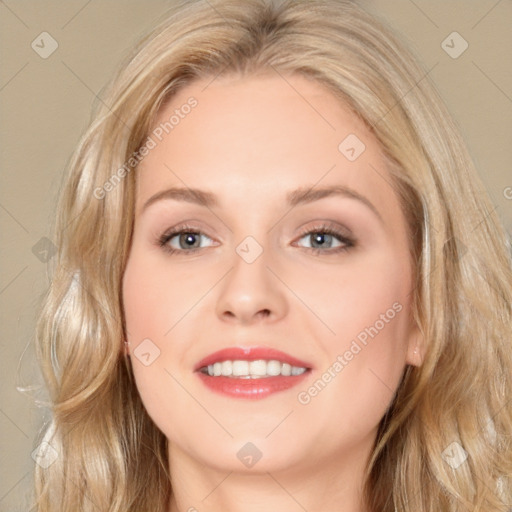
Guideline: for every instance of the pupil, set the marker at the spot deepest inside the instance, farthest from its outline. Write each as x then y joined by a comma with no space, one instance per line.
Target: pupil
319,238
189,239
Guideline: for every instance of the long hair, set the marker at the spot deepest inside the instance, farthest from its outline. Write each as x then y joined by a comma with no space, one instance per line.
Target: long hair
455,407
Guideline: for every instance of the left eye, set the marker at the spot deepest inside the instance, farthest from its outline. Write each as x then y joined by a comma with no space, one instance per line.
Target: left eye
323,239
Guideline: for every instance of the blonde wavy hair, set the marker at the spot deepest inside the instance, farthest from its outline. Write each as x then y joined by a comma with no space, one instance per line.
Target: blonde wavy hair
111,456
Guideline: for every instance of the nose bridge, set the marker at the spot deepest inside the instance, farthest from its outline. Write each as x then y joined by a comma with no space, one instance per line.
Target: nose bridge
250,289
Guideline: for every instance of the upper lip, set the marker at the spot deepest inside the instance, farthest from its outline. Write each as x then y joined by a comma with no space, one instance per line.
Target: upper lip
250,354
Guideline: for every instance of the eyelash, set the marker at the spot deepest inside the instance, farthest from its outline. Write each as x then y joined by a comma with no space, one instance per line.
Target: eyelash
327,229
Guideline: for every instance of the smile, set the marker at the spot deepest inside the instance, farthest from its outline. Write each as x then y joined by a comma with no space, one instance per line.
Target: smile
251,372
240,369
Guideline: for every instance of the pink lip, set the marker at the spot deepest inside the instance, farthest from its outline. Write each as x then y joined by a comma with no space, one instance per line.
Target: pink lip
250,354
250,388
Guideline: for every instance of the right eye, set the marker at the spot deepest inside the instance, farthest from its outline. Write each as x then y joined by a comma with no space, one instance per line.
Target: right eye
182,239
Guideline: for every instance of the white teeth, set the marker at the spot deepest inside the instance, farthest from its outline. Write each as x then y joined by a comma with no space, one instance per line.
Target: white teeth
227,368
274,368
258,368
217,369
253,369
240,368
286,369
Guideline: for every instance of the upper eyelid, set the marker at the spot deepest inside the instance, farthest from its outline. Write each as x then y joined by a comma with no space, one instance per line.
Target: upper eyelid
326,225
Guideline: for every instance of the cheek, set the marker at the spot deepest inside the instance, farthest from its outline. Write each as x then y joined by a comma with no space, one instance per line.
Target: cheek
362,295
153,300
367,310
152,306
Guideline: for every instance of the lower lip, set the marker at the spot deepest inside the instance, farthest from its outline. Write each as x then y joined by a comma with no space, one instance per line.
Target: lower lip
251,388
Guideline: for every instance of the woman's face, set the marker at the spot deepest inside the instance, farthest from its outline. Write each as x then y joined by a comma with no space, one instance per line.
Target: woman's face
292,240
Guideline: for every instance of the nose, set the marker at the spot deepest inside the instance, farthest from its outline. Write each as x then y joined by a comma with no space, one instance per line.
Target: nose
251,292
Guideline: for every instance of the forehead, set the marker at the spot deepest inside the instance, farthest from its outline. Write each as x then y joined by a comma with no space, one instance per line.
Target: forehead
252,138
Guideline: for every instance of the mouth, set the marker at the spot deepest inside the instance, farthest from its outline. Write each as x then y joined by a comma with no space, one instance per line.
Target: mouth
251,372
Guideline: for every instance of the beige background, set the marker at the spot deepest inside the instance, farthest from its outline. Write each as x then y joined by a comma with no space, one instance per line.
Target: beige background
45,106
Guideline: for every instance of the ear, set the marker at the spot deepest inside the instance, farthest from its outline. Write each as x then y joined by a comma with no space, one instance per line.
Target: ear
415,347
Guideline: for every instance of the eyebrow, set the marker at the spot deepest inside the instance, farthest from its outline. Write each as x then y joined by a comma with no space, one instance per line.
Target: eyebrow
190,195
294,198
308,195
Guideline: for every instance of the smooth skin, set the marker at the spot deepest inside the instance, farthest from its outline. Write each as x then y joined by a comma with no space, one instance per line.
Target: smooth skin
250,141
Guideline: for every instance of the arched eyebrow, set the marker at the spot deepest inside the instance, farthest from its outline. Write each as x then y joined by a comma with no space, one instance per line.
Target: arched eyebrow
294,198
190,195
308,195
